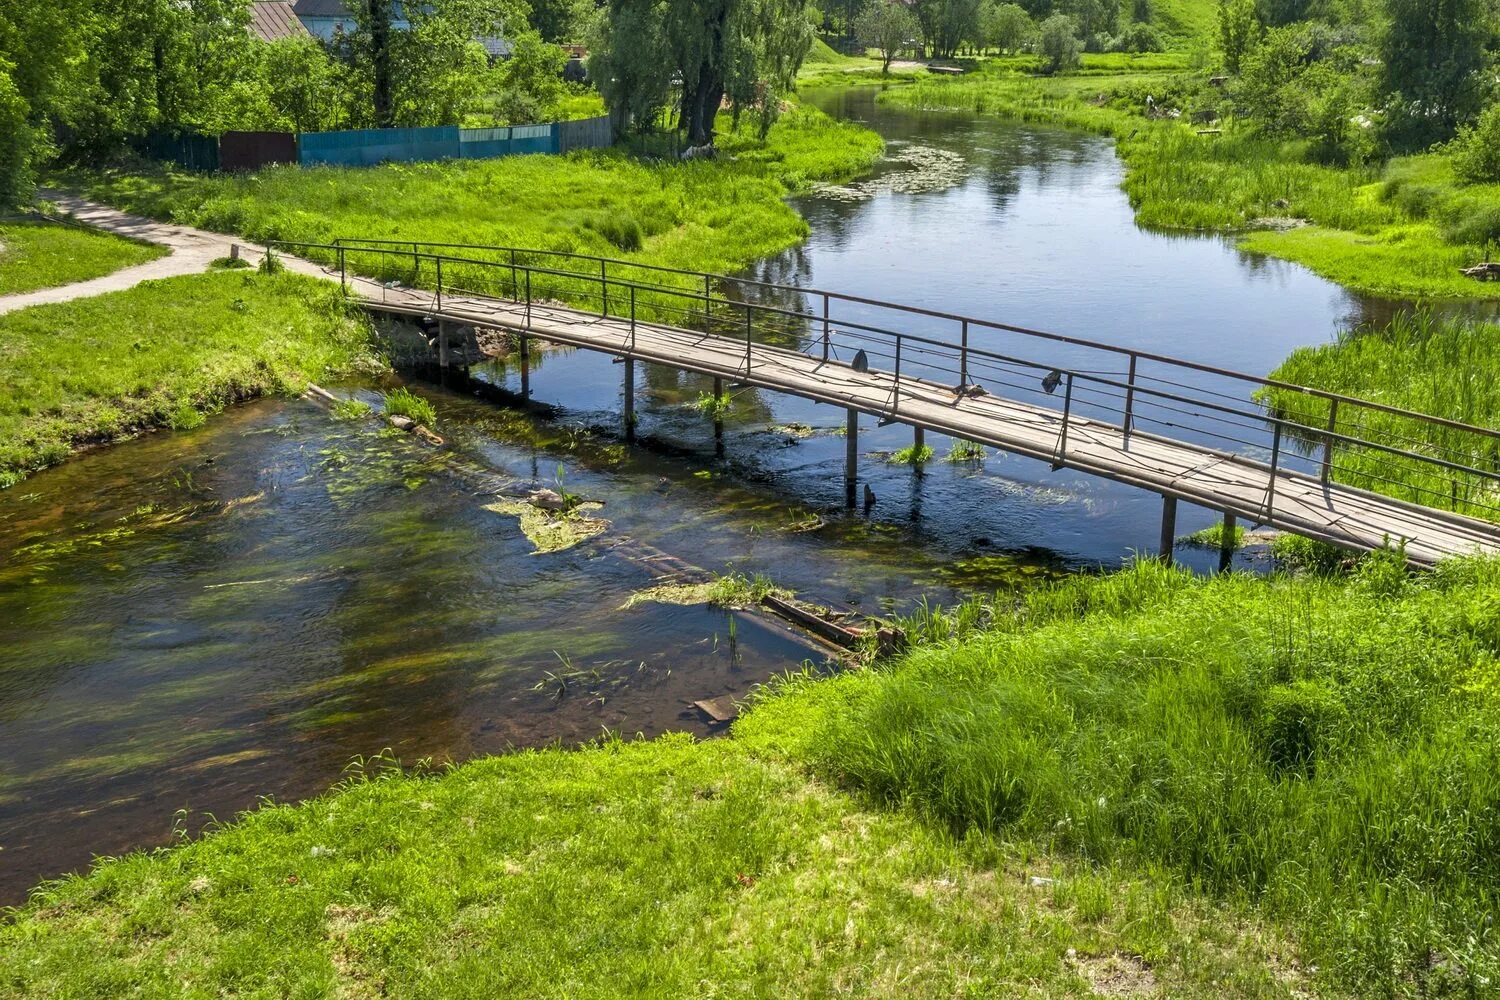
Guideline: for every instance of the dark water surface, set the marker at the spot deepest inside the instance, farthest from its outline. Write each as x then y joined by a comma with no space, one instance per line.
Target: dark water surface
194,620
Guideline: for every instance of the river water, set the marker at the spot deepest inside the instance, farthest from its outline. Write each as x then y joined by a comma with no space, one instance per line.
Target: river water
194,620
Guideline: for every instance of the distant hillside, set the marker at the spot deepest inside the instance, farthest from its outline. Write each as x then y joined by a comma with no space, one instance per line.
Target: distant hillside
1187,21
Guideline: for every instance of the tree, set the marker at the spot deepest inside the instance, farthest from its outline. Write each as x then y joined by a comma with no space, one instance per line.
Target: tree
1092,17
1059,45
947,24
1476,150
371,43
1239,29
17,143
1007,27
1432,54
886,25
1141,12
529,83
748,50
302,86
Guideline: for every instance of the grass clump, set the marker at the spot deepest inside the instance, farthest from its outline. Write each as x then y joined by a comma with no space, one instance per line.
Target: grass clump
965,451
1212,537
105,368
403,402
1325,747
726,590
229,264
913,455
351,409
39,254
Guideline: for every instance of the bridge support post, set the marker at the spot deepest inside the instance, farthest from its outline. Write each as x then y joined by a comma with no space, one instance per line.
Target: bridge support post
718,417
851,455
629,399
443,345
1226,544
525,367
1168,527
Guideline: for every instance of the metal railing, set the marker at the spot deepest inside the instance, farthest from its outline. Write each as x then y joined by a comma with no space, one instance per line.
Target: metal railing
1288,429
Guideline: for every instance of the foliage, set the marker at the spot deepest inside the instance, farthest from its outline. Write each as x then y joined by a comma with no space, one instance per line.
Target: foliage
1302,81
199,342
1006,27
1140,37
1314,745
1059,45
18,143
917,455
746,50
1431,57
39,254
1476,149
888,26
947,24
1239,31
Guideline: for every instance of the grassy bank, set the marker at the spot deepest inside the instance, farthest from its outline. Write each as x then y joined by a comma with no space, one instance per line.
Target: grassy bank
37,254
1131,783
1402,229
719,215
1326,750
161,355
1447,368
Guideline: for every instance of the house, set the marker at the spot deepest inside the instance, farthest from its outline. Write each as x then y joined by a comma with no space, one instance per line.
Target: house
274,20
327,19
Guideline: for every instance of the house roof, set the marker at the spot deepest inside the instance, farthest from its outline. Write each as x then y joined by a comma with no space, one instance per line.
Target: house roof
321,8
272,20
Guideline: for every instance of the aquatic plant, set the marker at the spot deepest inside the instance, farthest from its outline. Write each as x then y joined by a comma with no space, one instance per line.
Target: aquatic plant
1212,537
403,402
913,455
715,407
962,450
351,409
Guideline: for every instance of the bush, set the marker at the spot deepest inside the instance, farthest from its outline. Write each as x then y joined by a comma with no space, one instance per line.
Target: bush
1140,38
1059,45
1476,150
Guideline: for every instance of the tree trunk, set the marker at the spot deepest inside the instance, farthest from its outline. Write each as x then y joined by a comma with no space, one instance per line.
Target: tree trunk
702,103
380,57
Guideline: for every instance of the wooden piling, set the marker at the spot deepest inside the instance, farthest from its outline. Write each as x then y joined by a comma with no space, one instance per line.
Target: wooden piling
851,455
718,416
525,367
1168,527
630,399
1226,544
443,344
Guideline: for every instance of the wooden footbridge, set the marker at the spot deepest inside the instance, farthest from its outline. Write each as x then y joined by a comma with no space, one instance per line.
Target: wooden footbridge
1352,472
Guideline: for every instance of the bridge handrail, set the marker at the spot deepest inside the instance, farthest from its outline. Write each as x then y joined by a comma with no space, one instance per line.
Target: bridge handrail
1128,390
1166,359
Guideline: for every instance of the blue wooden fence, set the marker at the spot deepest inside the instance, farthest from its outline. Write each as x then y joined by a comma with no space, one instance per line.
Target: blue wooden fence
361,147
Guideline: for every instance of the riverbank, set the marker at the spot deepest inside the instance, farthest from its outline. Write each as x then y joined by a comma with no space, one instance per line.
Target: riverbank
163,354
709,216
1148,774
1403,229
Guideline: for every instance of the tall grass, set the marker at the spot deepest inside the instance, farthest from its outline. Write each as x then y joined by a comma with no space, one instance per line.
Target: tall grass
1327,749
1445,367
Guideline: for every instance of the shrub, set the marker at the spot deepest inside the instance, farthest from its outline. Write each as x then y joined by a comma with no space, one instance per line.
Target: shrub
1059,45
1140,38
1476,150
18,144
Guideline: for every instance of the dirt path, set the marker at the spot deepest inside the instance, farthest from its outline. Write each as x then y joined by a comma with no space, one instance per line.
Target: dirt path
192,251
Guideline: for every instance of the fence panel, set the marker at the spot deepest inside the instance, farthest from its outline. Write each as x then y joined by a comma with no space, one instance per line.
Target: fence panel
586,133
365,147
253,150
186,149
484,143
532,139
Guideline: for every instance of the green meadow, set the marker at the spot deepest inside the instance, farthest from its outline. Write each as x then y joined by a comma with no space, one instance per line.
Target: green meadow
40,254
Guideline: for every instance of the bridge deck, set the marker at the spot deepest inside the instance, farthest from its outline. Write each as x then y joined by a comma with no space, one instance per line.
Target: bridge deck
1299,503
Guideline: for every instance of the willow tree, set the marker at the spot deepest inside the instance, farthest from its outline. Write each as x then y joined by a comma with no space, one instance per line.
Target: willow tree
746,50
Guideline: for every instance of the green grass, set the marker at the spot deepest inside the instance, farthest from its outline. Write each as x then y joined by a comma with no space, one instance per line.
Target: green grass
965,451
713,216
36,254
405,403
160,355
663,869
1447,368
913,455
1402,229
1212,537
1326,750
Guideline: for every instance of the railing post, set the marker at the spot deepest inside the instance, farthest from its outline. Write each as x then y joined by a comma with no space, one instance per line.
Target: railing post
416,264
896,396
528,298
343,272
1275,461
439,284
1130,399
1333,416
603,290
632,317
963,357
747,340
707,304
515,287
1062,447
827,328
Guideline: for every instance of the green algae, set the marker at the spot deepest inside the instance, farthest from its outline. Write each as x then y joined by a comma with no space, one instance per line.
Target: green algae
550,532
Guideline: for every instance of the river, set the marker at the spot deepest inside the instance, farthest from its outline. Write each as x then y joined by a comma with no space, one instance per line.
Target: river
195,620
